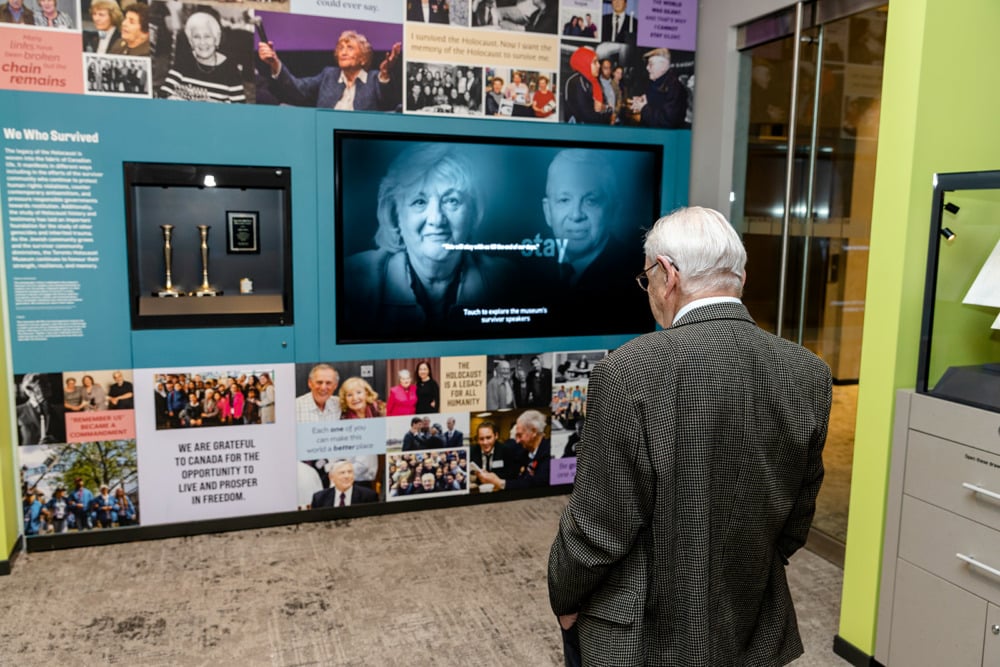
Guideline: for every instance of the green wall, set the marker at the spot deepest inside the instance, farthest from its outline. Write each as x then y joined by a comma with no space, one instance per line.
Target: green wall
939,114
10,497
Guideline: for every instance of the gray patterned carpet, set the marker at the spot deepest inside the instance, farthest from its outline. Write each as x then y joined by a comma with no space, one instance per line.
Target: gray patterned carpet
462,586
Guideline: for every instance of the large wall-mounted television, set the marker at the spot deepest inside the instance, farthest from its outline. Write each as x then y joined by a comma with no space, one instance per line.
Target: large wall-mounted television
453,237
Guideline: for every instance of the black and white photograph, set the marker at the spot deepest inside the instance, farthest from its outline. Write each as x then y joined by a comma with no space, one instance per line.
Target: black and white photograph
518,381
440,12
203,52
445,239
117,75
534,16
514,93
38,399
444,89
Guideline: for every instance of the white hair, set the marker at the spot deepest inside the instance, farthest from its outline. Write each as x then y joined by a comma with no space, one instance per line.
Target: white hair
704,248
534,420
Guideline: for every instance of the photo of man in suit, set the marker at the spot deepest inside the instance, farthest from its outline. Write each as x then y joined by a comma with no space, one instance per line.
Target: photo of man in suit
343,492
452,437
712,430
617,26
491,455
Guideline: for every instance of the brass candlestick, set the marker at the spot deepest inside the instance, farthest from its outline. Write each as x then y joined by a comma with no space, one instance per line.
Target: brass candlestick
205,289
168,251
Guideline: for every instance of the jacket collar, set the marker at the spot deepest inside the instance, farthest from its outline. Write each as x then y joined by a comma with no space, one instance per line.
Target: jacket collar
715,311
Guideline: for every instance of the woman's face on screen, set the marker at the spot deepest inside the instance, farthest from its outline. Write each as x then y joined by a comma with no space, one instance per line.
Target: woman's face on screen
431,213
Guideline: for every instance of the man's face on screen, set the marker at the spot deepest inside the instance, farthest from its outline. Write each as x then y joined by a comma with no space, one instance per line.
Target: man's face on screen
433,213
577,208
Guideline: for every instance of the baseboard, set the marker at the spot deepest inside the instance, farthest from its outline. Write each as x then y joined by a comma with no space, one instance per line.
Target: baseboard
7,565
826,547
853,654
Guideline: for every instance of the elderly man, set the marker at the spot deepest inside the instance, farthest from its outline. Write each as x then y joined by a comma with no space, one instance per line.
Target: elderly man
581,208
317,406
665,101
500,388
14,11
120,394
529,433
698,472
343,492
348,86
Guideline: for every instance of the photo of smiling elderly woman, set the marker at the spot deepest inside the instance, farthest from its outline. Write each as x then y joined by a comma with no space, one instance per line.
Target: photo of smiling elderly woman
414,284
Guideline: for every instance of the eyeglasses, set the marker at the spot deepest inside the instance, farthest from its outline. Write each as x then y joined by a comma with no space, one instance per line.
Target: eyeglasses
643,278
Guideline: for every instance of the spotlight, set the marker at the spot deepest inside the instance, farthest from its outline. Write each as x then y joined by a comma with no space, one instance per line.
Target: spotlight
948,235
209,181
951,208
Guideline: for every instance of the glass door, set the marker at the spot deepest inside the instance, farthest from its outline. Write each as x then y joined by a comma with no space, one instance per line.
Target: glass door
802,196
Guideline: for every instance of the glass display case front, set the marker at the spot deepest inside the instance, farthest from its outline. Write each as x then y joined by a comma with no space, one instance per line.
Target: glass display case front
960,336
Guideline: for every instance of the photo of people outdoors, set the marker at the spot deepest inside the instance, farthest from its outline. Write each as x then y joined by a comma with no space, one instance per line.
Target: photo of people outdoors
310,61
79,487
339,390
520,94
205,52
420,474
435,248
117,75
510,450
617,83
212,398
340,482
445,89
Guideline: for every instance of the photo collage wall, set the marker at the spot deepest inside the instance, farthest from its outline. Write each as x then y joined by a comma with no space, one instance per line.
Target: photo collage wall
614,62
116,448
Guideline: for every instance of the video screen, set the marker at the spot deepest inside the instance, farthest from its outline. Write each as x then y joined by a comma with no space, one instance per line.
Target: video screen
443,238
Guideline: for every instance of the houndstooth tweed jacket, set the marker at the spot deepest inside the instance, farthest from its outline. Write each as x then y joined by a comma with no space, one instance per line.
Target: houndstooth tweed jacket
696,480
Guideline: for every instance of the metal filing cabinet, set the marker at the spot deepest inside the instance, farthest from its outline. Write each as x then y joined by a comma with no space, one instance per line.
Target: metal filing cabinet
939,598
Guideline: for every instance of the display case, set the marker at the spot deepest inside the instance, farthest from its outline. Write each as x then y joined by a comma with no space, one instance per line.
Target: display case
208,245
960,336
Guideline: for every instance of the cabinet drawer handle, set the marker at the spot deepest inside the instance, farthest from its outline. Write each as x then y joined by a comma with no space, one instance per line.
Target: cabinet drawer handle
975,563
978,489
